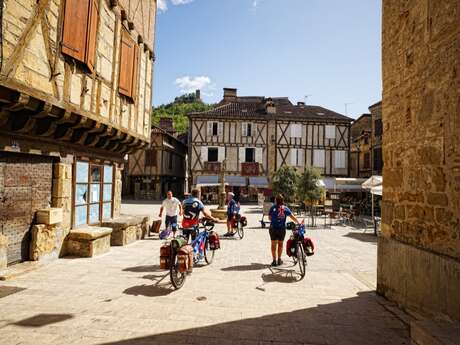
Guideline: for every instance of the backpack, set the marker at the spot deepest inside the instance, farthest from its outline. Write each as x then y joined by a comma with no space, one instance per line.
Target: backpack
165,233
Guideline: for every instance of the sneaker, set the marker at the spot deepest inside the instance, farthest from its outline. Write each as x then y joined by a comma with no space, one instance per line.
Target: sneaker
273,263
280,262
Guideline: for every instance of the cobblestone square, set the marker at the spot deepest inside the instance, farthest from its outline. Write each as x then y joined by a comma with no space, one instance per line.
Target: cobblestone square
122,297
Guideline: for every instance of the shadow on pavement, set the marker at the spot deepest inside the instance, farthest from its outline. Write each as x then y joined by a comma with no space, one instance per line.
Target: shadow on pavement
146,268
360,320
251,267
150,290
281,275
364,237
41,320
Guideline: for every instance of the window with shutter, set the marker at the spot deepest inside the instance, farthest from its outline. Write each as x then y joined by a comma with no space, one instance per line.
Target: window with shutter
204,154
128,66
296,131
340,159
79,31
220,128
221,153
259,155
244,129
330,132
293,157
210,126
319,158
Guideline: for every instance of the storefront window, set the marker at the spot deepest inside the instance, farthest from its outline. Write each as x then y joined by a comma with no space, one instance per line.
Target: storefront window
93,193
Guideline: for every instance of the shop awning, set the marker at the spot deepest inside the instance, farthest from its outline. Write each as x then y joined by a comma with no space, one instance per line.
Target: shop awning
373,181
236,181
207,181
259,182
328,183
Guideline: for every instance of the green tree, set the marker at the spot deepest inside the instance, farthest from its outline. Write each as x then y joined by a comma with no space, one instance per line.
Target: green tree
285,182
178,112
308,185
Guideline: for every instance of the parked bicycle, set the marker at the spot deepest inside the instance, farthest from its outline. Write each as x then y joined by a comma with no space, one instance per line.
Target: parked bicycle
299,247
202,247
238,225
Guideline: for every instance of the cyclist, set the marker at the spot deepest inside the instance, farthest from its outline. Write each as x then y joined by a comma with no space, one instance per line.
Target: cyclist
278,214
232,211
192,207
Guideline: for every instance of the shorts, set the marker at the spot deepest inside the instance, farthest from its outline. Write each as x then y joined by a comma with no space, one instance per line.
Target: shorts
190,233
277,234
171,220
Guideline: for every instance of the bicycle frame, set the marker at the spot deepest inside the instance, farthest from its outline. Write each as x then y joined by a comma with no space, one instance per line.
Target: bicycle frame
199,243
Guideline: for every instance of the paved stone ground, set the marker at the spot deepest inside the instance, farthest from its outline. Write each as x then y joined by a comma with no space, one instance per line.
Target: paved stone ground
124,298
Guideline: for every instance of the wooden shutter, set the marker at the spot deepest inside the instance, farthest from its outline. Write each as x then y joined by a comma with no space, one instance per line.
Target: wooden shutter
75,29
220,128
259,155
209,123
92,35
127,57
300,157
135,71
244,129
204,153
242,154
221,154
293,155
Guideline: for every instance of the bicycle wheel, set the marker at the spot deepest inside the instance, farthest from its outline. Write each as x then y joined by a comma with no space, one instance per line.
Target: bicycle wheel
240,230
177,278
301,259
208,253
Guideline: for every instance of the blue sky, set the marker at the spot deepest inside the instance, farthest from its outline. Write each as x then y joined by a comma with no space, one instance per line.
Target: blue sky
328,49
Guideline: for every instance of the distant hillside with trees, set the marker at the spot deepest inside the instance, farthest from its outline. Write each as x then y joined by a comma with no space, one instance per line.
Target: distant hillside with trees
178,110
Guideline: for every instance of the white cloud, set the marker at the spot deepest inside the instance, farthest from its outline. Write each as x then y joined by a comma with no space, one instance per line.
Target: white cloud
181,2
162,5
187,84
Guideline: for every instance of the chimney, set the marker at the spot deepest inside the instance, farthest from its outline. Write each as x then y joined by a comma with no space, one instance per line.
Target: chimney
301,104
167,124
270,106
198,95
230,95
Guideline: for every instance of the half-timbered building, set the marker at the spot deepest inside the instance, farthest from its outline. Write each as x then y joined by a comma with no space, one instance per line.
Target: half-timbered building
75,98
252,137
159,168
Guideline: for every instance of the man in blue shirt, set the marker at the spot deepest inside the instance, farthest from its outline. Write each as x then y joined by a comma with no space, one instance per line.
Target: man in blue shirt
192,207
232,211
278,215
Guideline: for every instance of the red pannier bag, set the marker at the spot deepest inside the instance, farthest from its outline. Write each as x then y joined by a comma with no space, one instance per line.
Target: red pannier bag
290,247
185,258
244,221
308,246
165,256
214,241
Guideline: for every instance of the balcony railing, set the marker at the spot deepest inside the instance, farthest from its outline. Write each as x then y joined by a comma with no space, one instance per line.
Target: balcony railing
250,169
212,167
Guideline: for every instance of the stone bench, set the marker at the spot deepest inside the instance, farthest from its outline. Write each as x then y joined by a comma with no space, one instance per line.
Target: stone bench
127,229
88,241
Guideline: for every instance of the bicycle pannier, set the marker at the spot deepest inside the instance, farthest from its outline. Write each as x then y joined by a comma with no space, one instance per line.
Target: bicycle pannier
244,221
214,241
185,258
290,247
165,256
308,246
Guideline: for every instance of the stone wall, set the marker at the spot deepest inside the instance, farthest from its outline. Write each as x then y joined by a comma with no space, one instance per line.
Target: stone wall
117,192
3,249
420,241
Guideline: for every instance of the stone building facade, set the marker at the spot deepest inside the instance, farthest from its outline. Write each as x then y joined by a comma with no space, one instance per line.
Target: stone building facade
159,168
255,136
419,250
75,97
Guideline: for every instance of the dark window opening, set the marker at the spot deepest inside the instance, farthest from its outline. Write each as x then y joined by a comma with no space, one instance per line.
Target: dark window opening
378,127
170,161
215,129
378,161
367,160
150,158
249,130
213,154
250,155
